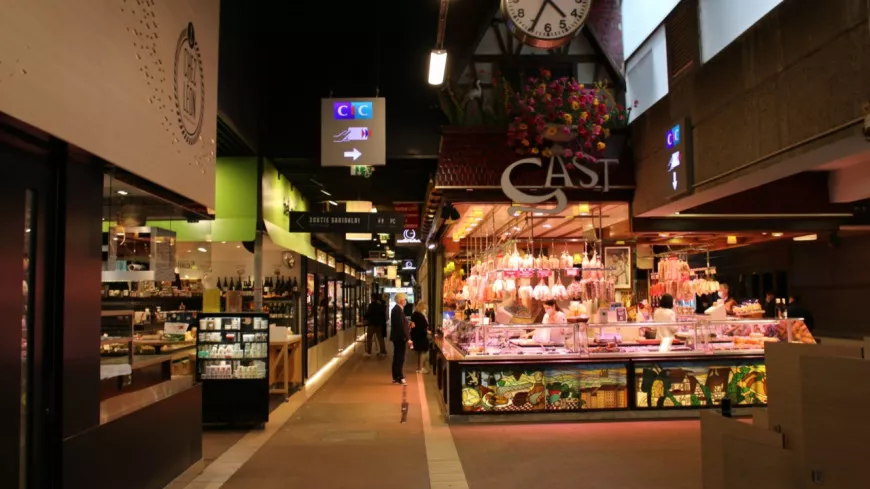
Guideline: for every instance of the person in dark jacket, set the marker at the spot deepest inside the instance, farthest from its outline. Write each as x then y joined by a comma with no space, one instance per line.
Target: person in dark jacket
420,333
770,305
797,310
400,336
376,325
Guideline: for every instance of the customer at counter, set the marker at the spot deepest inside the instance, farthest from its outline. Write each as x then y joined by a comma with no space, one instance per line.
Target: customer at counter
552,315
727,300
665,314
770,305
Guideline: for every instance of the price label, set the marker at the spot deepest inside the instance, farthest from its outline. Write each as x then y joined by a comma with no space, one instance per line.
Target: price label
526,273
174,328
544,273
572,272
510,274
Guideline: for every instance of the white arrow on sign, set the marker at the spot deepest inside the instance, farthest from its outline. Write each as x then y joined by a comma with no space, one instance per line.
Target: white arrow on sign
355,154
675,180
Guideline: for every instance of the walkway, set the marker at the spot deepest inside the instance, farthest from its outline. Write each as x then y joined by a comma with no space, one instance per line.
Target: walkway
361,431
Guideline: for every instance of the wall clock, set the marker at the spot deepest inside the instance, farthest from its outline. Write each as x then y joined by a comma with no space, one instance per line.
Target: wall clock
545,24
289,259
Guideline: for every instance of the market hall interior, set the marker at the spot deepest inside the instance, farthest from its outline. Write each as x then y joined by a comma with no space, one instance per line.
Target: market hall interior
442,243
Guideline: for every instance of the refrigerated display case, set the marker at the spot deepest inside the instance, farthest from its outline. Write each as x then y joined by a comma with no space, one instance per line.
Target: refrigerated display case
498,368
232,351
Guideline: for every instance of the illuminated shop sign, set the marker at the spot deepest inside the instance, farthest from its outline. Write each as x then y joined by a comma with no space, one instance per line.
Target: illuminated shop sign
673,137
558,170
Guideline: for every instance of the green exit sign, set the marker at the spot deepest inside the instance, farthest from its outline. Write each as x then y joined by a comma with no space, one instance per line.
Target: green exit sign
361,171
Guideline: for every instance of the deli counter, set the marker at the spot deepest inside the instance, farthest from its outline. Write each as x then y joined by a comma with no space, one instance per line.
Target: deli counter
627,366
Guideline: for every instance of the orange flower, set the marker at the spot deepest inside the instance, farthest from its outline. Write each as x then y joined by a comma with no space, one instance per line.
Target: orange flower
547,153
584,115
601,146
575,105
523,127
606,117
595,102
551,130
534,151
525,142
568,119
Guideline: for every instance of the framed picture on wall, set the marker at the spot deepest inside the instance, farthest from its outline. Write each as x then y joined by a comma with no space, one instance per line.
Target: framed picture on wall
617,261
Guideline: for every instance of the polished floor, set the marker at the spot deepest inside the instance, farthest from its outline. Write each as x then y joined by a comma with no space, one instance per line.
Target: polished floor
358,430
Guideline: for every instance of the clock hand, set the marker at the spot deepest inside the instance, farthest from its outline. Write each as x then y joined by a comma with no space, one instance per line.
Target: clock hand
540,12
553,4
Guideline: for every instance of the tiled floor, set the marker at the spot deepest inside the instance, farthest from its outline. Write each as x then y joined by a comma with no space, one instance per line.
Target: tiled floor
350,434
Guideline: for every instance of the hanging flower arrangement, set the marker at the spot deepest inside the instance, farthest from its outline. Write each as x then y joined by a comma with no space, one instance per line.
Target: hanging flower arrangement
562,117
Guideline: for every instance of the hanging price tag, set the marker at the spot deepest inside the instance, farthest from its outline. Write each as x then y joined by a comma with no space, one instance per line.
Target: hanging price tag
526,273
544,273
572,272
510,274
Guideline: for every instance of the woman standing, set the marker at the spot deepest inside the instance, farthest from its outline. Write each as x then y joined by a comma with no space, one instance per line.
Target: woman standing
552,315
420,334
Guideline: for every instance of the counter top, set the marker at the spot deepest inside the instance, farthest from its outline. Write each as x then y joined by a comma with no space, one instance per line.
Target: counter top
142,361
453,354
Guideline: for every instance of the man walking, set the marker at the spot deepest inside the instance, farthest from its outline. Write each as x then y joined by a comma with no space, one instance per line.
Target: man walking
376,325
400,335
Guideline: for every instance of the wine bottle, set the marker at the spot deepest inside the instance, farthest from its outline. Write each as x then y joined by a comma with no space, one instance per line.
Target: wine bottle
267,286
295,287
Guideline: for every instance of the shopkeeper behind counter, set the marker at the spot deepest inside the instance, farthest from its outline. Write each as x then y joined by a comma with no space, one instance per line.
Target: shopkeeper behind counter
552,315
727,300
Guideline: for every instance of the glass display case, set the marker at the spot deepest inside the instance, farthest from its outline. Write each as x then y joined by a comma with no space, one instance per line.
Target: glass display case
116,344
232,351
624,366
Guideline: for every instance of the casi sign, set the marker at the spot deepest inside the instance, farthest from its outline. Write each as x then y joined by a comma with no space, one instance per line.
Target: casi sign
189,85
558,178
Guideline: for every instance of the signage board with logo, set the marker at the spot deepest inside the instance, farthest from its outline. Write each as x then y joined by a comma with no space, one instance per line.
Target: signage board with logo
408,265
353,131
678,162
346,222
142,74
562,173
408,237
411,212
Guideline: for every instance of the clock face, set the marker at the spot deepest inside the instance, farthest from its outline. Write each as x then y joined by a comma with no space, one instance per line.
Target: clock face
545,23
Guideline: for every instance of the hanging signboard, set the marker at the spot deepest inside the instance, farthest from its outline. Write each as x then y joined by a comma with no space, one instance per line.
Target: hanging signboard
558,177
346,222
412,214
353,132
408,237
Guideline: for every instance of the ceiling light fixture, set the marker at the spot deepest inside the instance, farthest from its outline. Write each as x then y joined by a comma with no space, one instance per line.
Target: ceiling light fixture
374,210
432,246
776,235
333,202
808,237
202,250
437,66
663,235
732,240
122,192
324,192
548,226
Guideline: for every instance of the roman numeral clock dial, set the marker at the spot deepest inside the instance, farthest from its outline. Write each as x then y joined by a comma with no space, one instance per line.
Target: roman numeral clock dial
545,24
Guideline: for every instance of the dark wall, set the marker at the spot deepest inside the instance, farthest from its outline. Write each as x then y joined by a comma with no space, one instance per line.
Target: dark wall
81,190
801,71
239,69
831,275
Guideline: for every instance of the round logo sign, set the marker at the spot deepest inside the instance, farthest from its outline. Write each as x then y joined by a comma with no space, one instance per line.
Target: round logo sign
189,85
409,235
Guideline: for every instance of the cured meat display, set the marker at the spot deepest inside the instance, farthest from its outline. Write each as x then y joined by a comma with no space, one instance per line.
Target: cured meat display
514,275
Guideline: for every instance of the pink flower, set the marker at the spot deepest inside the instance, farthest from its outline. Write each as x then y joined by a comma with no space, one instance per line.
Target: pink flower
568,153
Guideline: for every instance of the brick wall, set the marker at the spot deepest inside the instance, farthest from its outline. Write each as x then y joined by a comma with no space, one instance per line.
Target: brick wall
803,70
